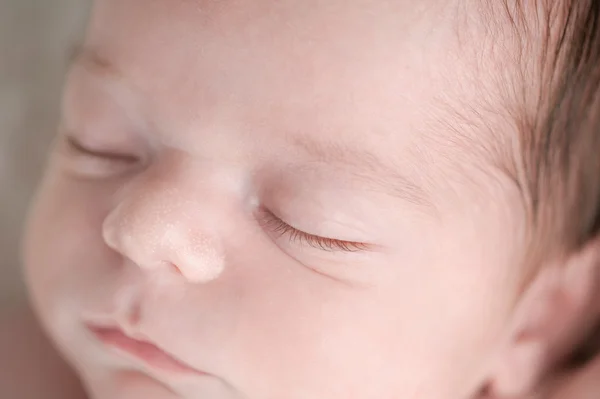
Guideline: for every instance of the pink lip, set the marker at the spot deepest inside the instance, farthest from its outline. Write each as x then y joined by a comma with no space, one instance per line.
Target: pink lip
145,351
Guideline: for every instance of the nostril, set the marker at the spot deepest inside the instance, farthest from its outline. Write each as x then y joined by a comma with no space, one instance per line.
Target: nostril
163,272
109,234
170,267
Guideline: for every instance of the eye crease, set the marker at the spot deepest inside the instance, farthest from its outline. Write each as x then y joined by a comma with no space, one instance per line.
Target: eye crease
266,218
274,224
79,148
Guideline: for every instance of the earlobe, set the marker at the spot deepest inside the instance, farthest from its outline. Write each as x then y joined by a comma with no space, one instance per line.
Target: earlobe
550,320
521,361
518,371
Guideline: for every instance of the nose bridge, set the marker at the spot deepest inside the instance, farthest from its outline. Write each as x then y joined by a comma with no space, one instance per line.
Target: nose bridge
163,221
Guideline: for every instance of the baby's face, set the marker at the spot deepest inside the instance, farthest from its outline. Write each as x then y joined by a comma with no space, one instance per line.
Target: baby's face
280,194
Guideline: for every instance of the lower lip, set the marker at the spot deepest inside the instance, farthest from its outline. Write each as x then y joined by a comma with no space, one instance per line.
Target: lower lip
144,351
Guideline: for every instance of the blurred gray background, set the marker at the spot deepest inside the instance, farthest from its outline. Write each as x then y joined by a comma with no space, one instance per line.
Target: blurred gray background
35,38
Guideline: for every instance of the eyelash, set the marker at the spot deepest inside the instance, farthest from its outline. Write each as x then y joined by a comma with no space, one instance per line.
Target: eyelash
278,226
79,148
269,220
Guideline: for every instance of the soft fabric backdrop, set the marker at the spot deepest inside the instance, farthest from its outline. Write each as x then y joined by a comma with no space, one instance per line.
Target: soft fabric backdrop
35,36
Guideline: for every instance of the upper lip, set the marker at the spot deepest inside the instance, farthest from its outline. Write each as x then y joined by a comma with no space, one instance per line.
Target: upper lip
139,346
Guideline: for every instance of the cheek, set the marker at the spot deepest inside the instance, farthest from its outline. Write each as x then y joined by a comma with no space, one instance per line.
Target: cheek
317,338
63,238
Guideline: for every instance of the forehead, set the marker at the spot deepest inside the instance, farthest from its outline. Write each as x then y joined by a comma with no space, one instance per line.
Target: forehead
364,62
374,76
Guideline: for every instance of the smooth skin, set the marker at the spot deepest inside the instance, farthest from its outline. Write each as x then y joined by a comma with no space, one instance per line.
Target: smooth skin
293,197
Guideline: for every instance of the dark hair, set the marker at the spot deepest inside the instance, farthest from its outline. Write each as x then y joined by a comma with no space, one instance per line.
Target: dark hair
561,148
543,60
552,93
562,151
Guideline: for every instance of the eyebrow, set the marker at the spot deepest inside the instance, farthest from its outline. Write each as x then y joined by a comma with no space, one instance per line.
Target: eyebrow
385,177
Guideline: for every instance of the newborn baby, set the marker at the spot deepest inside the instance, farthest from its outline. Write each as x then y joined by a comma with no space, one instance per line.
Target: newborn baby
358,199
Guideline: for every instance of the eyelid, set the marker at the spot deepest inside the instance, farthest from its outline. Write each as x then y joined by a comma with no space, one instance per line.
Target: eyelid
275,224
111,156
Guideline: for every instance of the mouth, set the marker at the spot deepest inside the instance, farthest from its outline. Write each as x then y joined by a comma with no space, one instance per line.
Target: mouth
141,350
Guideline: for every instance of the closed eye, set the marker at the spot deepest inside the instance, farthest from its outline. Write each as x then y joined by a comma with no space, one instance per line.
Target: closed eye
80,149
274,224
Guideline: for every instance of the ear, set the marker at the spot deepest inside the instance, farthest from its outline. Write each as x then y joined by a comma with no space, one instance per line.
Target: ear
555,313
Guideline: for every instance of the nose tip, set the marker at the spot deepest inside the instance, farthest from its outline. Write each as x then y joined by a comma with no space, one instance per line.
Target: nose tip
154,241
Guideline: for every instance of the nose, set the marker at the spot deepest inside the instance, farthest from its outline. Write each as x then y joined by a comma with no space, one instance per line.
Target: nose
159,222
